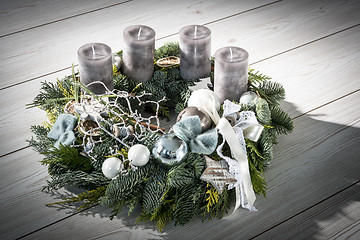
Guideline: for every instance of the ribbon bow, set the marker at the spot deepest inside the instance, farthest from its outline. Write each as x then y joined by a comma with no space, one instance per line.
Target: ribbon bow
189,130
248,126
62,131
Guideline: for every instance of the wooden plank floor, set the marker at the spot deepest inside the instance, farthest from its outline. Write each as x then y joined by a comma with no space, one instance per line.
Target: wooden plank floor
312,47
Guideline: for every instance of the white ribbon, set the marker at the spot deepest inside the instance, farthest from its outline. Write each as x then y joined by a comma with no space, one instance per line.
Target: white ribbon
239,167
248,126
207,101
247,121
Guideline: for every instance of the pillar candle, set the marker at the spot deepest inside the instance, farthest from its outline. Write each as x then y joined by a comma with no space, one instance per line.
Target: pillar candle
230,73
138,52
195,51
95,64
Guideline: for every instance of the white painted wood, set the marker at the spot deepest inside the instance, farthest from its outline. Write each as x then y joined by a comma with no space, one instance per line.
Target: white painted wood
325,220
310,83
54,47
299,81
20,15
22,203
318,160
298,178
276,28
335,60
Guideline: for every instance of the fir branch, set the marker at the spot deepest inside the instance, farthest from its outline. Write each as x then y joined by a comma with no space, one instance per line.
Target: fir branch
266,145
124,186
263,112
272,92
281,121
256,166
61,177
68,157
255,78
163,214
258,181
179,176
185,208
167,50
153,191
41,143
87,198
197,163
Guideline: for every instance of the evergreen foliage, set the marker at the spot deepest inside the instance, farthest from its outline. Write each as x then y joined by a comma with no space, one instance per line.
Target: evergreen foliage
165,193
41,143
87,198
281,120
167,50
68,157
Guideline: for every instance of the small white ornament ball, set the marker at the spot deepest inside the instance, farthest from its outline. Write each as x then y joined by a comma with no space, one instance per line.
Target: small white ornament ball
139,155
248,97
111,167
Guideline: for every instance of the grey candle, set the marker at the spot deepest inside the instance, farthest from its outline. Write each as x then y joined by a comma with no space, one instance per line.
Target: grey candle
195,51
230,73
138,52
95,64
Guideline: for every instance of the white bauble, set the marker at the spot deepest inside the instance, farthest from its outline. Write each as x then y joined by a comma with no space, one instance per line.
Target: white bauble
111,167
139,155
248,97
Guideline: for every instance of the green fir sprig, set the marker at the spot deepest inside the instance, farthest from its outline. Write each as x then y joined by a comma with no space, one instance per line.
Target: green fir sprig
165,193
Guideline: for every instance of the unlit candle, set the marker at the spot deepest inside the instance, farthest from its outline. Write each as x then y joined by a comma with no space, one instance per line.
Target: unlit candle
195,52
138,53
95,64
230,73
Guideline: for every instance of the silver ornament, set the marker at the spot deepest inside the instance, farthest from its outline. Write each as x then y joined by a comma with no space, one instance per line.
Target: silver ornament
194,111
170,149
248,97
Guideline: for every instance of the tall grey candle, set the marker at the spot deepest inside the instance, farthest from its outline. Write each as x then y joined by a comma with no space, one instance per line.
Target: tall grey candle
230,73
95,64
195,51
138,53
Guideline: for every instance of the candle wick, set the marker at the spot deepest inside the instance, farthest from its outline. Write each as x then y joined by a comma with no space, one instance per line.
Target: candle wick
138,36
93,49
231,55
195,31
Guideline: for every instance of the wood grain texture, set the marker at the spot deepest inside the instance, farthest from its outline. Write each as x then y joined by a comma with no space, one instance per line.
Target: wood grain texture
17,16
335,60
54,47
309,46
324,220
277,28
296,180
22,202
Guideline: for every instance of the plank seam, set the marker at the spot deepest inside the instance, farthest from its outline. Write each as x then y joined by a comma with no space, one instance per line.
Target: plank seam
305,44
286,51
62,19
227,17
34,78
17,150
323,105
306,209
57,221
